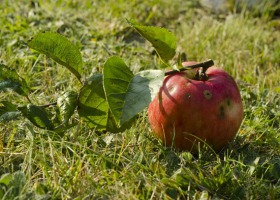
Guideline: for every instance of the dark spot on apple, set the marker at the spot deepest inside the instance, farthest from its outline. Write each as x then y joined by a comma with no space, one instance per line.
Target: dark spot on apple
222,112
228,103
207,94
188,96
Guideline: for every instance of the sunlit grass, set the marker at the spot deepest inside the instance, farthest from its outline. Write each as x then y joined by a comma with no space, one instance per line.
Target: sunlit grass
84,164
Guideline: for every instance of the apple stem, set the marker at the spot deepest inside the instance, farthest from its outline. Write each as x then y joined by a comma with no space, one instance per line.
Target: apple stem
201,75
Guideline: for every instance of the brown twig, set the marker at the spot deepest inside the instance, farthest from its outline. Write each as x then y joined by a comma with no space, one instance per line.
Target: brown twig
205,65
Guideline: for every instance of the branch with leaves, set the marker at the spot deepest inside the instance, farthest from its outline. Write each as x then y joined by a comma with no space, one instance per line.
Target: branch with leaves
107,101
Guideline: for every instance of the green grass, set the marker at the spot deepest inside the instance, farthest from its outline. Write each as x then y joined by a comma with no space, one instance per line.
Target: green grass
81,163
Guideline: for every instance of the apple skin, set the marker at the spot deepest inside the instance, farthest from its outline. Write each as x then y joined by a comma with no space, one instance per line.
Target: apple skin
187,112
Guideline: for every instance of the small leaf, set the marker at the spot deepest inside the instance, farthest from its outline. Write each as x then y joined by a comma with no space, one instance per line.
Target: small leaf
17,183
92,105
162,40
67,103
37,115
9,116
117,78
7,107
9,79
8,111
6,178
142,90
127,95
153,81
59,49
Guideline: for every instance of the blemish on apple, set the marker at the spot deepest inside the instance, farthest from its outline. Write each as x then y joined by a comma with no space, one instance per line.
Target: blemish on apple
228,103
207,94
188,95
171,89
222,112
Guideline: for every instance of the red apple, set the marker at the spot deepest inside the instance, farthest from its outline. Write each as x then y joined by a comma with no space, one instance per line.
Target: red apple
188,111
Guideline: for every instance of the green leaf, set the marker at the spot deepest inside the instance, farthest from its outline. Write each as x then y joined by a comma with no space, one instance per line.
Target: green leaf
162,40
7,107
92,105
153,81
59,49
37,115
67,104
142,90
127,95
9,79
6,178
9,116
117,78
8,111
16,184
